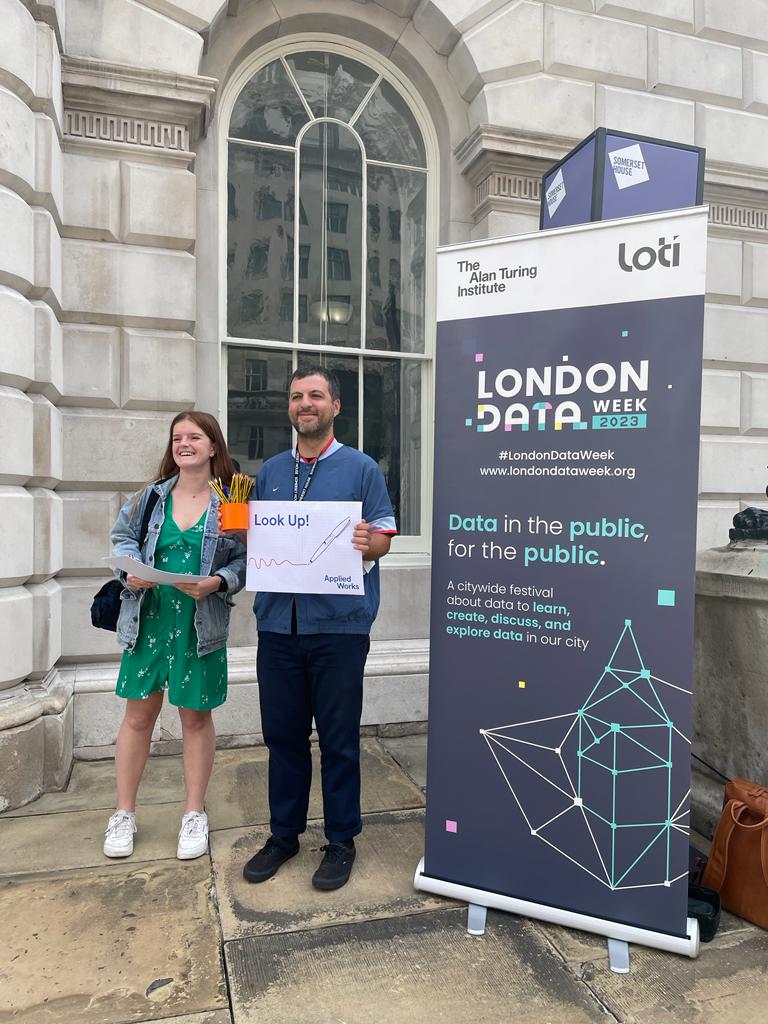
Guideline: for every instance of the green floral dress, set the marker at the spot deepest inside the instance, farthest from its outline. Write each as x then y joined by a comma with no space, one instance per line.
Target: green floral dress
165,654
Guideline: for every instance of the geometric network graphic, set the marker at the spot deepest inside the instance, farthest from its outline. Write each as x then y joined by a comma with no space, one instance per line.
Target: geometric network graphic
599,785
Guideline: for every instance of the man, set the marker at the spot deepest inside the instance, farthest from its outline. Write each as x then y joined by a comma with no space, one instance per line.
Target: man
312,648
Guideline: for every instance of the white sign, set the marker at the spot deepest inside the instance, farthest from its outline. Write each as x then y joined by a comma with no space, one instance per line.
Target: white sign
149,573
304,547
629,166
555,193
648,257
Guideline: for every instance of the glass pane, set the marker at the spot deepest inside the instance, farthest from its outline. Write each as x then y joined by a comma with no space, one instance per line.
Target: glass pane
389,129
397,218
345,368
260,243
333,86
331,235
392,433
257,405
268,109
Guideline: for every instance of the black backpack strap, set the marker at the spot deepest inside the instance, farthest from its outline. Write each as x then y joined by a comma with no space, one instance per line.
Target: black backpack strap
153,499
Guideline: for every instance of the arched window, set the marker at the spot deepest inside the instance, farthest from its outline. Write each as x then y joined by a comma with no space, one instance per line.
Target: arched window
326,256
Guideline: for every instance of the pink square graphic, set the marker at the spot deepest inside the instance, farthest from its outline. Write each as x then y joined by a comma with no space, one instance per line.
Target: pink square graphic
478,357
451,826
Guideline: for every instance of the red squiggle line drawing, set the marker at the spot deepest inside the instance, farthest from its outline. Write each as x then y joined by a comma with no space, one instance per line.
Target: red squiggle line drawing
265,563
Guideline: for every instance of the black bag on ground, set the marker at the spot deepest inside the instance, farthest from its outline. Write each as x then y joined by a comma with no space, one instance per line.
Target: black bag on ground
704,905
105,607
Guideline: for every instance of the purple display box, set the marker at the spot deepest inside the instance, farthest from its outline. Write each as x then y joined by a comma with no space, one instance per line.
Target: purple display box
615,174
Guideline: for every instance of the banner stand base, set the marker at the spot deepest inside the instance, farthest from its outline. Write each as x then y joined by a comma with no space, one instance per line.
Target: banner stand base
618,956
618,935
476,916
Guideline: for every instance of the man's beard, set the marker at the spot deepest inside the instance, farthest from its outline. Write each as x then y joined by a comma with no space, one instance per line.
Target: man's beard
315,428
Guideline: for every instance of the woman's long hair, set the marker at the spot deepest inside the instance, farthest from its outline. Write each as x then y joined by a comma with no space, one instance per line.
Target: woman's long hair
221,463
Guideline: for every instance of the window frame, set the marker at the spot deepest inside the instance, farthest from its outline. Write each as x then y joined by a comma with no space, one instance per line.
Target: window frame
416,544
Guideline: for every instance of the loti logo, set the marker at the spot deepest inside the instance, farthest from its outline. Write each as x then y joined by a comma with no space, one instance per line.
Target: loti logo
667,255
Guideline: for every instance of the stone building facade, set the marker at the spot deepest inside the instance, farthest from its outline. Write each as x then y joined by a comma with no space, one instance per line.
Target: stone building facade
132,231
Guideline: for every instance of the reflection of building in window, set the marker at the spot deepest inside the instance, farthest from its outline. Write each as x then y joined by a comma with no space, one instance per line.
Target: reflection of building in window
267,206
256,443
344,185
255,377
374,220
303,259
394,225
252,307
279,187
337,217
374,274
257,259
338,265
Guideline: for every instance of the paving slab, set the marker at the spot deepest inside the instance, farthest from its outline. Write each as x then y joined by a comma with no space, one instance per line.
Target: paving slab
92,785
237,794
74,839
410,752
102,946
388,851
728,983
419,968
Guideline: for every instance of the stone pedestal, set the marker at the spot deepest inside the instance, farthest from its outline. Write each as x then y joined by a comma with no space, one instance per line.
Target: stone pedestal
730,711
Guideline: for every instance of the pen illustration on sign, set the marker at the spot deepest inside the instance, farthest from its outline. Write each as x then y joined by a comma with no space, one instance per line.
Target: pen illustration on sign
337,531
326,543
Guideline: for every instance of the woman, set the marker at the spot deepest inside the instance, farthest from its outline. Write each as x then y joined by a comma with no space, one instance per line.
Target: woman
174,637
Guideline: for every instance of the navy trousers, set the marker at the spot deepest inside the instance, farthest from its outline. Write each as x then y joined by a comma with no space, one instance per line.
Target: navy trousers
302,677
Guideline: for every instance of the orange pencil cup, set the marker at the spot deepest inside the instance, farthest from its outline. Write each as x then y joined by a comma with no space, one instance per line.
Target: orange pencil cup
234,516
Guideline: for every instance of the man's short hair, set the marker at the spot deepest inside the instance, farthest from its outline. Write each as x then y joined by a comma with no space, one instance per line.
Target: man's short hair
320,371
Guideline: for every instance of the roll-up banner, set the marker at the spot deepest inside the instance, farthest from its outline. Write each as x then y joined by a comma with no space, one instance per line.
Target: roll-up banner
568,381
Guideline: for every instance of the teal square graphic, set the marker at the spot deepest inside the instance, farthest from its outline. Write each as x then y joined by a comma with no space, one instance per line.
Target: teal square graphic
666,598
625,334
468,422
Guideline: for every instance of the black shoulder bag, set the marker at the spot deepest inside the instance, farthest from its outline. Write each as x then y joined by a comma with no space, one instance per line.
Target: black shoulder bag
105,607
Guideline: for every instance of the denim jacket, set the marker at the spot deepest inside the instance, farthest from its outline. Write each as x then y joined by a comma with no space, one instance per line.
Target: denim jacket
221,555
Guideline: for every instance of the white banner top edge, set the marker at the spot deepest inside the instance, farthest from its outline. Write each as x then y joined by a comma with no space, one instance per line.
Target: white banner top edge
594,225
627,259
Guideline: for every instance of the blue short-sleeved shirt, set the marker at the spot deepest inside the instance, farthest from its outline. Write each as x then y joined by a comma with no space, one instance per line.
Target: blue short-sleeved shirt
341,474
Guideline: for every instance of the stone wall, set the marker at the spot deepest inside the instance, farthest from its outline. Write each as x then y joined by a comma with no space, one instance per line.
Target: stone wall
35,707
110,273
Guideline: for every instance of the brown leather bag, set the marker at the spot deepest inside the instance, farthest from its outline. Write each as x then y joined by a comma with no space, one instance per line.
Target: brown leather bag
738,862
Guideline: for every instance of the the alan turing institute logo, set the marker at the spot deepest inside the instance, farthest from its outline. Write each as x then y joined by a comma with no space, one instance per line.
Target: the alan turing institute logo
600,396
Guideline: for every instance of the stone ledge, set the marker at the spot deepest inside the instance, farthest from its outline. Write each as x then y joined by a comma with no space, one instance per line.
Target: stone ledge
738,571
386,658
135,106
35,699
737,193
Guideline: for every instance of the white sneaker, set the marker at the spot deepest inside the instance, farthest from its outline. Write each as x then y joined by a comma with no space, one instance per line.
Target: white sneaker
118,838
193,836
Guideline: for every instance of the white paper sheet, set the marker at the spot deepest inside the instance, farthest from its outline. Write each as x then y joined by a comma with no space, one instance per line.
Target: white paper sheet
150,574
304,547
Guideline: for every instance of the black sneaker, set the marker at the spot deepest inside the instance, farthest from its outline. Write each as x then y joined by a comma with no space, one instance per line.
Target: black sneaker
265,863
336,866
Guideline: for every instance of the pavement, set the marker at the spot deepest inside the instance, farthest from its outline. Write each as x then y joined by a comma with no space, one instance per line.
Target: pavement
86,940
